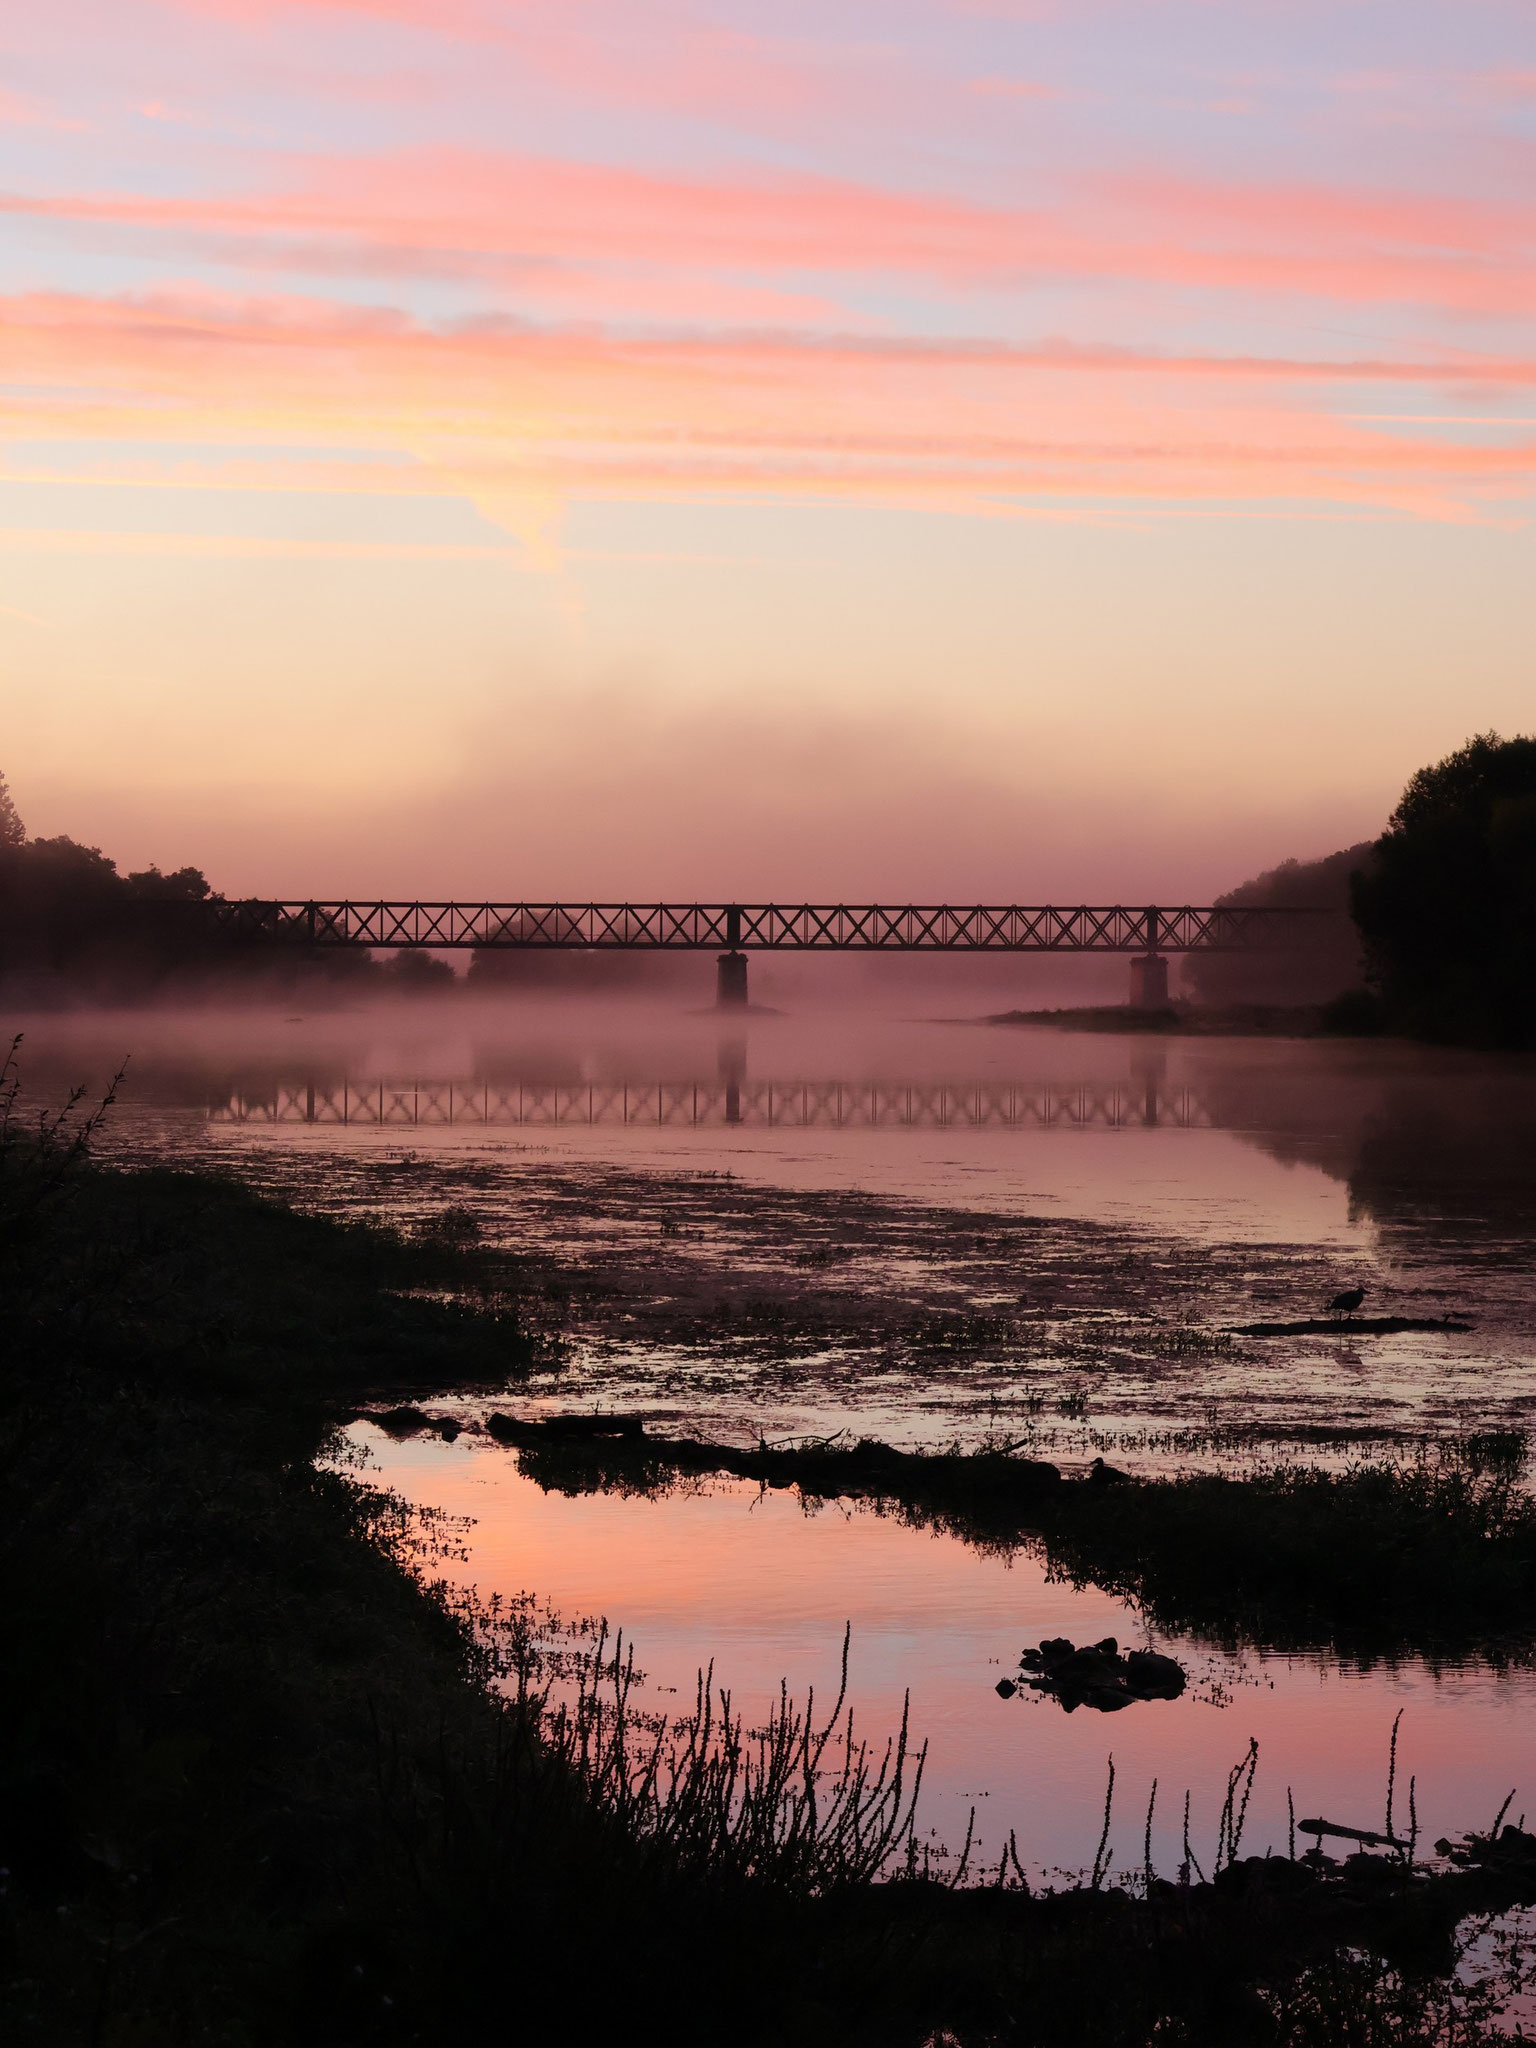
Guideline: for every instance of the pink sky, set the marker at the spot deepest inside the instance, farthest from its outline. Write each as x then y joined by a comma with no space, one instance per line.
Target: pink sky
953,447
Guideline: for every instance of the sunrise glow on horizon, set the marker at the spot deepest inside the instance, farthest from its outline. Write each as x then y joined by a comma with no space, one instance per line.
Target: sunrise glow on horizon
956,448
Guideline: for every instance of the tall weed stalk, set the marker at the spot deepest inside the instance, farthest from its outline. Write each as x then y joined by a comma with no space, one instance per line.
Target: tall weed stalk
800,1803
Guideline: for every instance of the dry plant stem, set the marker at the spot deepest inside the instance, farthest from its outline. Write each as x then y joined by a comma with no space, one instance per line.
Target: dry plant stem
1102,1853
1191,1861
35,1161
797,1804
1233,1814
1146,1846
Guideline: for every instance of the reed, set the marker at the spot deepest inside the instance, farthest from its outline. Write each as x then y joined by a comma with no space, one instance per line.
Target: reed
41,1151
800,1804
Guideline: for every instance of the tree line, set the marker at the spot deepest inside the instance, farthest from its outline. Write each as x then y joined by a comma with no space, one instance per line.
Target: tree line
73,929
1431,930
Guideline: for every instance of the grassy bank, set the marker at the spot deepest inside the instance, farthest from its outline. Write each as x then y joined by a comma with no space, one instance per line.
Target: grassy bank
256,1785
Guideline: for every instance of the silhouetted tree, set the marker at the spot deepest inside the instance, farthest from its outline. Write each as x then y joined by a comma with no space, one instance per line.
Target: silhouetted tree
414,971
1447,911
1325,962
182,885
59,902
12,831
581,970
71,924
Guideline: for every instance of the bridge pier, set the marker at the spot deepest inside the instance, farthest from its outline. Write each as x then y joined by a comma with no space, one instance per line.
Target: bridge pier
731,982
1149,983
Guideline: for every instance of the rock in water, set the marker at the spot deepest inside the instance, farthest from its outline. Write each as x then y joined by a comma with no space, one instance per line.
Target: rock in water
1154,1677
1097,1675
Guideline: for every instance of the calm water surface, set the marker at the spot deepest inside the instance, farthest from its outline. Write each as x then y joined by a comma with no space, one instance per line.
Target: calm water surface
788,1211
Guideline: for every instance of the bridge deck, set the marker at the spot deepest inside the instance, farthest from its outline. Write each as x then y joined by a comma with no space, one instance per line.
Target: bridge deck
772,927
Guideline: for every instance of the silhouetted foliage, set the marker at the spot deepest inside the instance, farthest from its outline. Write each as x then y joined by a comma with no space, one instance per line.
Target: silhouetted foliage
1323,966
67,917
1447,910
12,831
1356,1013
580,970
414,971
184,885
72,928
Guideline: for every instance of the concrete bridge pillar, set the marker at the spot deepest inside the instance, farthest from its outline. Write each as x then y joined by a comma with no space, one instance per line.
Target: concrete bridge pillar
731,982
1149,983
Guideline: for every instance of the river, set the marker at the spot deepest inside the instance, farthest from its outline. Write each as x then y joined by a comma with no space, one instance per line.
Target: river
937,1233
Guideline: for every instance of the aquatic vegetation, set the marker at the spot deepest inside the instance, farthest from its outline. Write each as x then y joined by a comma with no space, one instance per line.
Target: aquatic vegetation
1436,1547
798,1804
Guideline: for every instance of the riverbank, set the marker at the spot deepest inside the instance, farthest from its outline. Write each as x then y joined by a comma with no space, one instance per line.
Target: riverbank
259,1785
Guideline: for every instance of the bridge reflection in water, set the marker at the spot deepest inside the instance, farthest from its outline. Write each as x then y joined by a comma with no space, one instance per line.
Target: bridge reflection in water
728,1100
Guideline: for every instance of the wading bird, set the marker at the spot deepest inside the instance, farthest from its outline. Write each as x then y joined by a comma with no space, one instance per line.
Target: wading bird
1347,1302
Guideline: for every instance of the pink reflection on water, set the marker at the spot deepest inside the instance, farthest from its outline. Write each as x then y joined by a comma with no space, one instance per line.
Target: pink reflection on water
762,1588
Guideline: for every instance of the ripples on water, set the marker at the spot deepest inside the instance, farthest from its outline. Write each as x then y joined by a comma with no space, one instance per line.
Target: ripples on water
930,1233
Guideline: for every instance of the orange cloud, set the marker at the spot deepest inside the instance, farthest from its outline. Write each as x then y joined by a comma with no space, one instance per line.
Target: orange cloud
519,418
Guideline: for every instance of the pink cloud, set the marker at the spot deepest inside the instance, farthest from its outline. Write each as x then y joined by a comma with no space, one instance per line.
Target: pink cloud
1014,89
502,410
668,56
1511,84
480,212
18,111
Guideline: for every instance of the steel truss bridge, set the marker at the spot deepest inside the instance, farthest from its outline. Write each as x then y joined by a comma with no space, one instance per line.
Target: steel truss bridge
1148,932
768,927
921,1105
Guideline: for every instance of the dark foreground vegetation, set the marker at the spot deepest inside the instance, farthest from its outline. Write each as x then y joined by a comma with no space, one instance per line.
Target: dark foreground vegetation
260,1782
